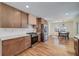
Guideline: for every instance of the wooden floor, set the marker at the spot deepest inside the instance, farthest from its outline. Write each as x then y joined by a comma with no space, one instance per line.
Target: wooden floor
49,48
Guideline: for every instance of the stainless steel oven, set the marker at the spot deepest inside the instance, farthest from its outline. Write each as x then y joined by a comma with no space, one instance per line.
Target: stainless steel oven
34,38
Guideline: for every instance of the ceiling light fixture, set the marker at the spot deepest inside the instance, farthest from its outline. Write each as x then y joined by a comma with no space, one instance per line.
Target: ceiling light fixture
27,6
66,14
58,21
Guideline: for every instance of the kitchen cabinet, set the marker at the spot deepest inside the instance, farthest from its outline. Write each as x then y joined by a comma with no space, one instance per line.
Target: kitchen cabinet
39,28
39,25
27,42
14,46
39,37
43,21
40,21
0,15
32,20
76,46
10,17
24,20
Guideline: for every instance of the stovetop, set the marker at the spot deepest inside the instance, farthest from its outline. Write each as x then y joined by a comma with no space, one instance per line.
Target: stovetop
32,34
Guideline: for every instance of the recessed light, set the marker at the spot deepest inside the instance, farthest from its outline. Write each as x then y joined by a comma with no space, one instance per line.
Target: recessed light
45,18
66,14
58,21
27,6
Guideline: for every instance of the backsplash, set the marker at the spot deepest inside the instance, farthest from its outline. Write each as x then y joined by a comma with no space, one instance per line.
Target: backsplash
16,30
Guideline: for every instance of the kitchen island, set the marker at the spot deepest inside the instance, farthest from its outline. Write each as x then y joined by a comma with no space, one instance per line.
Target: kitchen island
76,45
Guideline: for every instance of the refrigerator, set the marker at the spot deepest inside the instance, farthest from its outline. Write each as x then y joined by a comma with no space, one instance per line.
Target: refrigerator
44,32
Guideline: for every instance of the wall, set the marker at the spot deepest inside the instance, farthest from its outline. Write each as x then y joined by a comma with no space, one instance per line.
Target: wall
70,27
76,20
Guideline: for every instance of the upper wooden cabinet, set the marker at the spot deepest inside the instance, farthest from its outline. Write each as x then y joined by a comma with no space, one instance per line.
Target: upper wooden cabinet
0,15
12,18
40,21
24,20
32,20
43,21
39,25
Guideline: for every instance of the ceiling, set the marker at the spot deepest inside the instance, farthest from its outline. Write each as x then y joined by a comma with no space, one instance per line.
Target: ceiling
49,10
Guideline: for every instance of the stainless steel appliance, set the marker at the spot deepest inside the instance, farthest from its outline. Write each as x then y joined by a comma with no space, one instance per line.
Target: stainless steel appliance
44,33
34,38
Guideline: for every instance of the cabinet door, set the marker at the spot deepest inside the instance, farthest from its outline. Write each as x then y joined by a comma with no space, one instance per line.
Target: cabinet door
5,15
9,47
44,21
0,15
39,37
32,20
13,46
39,25
21,45
24,20
27,42
11,17
15,18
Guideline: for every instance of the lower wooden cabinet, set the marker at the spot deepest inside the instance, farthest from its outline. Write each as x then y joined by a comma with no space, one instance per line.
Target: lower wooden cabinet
27,42
76,47
15,46
39,37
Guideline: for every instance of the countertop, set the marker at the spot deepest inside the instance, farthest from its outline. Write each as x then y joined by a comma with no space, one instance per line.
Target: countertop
10,35
77,36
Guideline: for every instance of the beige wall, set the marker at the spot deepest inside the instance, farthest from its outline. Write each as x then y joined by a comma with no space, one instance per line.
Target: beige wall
70,27
76,20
